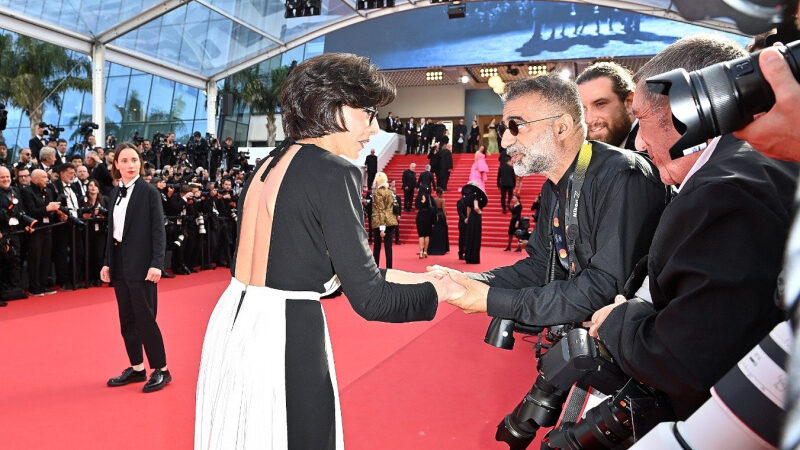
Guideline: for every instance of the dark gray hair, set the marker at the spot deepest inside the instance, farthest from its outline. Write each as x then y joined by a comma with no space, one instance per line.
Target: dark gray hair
690,53
621,78
561,94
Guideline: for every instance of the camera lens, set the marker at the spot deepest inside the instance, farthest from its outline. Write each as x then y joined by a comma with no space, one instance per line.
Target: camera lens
718,99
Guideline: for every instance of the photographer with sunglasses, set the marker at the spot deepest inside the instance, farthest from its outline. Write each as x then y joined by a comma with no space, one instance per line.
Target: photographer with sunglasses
600,206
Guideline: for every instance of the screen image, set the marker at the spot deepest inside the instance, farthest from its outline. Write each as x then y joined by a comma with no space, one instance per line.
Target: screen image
518,31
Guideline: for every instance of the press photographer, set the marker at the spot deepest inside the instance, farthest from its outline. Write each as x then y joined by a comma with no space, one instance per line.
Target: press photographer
197,149
88,141
13,221
68,242
708,307
40,202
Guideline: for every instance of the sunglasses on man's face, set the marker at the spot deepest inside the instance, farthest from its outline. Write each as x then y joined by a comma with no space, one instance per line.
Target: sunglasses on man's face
513,125
372,113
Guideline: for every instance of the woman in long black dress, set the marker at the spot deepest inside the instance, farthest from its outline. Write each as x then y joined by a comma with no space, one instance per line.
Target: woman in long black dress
513,225
425,217
440,239
476,201
267,377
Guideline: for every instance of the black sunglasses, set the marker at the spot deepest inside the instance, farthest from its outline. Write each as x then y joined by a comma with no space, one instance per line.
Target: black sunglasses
513,125
372,113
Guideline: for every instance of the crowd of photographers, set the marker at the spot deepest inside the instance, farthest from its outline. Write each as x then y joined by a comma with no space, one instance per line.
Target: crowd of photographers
54,206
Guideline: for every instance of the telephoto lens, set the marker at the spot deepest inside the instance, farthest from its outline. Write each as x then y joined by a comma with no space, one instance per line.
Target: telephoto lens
718,99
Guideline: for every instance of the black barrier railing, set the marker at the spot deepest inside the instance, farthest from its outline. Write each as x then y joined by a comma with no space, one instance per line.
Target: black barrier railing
206,256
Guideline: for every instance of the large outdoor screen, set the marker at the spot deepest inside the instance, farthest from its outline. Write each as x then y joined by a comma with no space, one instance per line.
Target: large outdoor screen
497,31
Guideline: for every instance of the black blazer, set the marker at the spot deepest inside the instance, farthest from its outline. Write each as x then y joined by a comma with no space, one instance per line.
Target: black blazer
425,179
35,144
409,179
143,242
445,160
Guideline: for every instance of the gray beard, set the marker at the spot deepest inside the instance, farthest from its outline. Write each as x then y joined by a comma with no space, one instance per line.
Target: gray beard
533,159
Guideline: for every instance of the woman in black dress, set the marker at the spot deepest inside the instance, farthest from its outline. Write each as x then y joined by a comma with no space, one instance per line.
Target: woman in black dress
476,201
426,214
474,137
267,377
440,239
516,214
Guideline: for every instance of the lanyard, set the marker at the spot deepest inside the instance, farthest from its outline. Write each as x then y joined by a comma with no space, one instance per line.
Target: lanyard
564,238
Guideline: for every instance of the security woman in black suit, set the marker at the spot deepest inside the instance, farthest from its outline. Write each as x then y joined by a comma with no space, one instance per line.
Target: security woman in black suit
134,261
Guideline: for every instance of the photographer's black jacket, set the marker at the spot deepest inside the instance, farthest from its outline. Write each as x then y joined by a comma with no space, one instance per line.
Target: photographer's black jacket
35,201
712,268
621,201
8,209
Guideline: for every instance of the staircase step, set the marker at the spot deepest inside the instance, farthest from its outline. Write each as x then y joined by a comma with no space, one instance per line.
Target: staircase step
495,223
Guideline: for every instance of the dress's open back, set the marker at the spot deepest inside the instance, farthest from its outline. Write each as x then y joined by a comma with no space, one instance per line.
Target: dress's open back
267,378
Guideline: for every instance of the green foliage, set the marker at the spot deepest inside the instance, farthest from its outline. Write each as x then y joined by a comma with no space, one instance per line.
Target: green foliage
261,92
34,73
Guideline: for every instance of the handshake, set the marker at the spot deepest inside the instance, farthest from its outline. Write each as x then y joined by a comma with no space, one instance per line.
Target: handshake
457,289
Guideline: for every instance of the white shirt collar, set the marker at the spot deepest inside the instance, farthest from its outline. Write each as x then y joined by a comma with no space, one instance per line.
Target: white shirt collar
131,183
701,161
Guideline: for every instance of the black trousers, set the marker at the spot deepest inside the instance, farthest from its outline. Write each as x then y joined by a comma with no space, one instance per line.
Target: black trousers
411,146
137,301
505,196
442,178
64,253
387,241
40,247
408,199
370,179
11,275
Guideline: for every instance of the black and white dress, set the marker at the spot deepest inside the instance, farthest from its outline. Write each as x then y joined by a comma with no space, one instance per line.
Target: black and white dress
267,377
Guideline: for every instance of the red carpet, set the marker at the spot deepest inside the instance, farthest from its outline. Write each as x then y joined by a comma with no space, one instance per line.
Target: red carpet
428,385
495,223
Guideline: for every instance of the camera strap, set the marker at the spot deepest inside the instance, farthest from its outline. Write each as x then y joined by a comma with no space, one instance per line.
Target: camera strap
566,236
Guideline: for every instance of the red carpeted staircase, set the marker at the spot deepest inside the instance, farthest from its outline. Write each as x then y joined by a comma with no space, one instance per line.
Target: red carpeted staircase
495,223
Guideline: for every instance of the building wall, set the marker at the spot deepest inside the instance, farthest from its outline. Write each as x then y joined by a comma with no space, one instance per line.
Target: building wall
481,102
427,101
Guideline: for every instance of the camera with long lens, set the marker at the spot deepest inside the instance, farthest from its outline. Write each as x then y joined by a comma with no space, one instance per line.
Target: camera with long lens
70,218
111,142
136,139
53,131
577,358
95,211
718,99
14,216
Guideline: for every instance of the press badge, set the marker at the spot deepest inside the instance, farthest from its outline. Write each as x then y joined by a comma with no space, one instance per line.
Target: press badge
13,221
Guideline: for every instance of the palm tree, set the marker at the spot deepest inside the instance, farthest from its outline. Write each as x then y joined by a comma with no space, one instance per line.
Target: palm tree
34,73
261,92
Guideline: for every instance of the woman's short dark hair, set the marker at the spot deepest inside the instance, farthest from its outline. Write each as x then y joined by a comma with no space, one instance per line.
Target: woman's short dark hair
123,146
316,90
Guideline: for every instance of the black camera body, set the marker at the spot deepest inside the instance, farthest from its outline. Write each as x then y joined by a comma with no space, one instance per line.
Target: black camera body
576,358
136,139
13,216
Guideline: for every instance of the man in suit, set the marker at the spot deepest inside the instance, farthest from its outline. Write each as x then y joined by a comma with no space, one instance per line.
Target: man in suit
710,300
5,160
425,135
371,161
390,123
506,181
439,132
67,254
47,159
606,91
445,166
409,184
42,206
459,137
425,181
61,152
99,171
37,142
411,136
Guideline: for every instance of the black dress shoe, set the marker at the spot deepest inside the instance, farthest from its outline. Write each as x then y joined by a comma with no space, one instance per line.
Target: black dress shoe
128,376
181,271
157,381
166,274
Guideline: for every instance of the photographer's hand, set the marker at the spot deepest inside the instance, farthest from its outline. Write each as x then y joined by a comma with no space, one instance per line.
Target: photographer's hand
775,133
474,299
600,315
